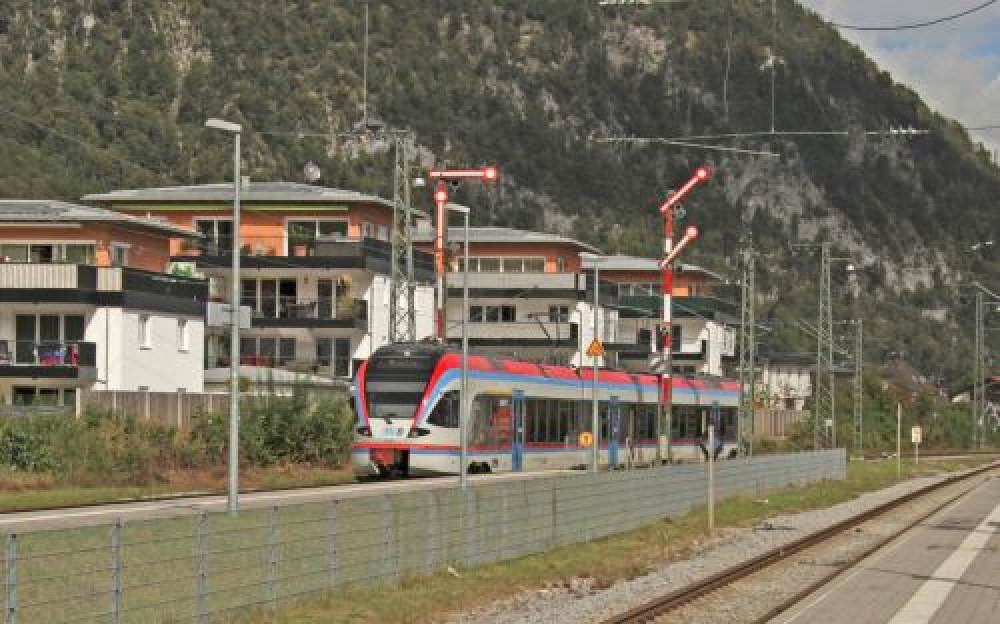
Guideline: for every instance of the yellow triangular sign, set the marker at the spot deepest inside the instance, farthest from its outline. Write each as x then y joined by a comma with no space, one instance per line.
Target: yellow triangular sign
596,349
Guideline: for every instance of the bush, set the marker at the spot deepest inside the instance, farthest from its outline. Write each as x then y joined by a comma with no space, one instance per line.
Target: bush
101,447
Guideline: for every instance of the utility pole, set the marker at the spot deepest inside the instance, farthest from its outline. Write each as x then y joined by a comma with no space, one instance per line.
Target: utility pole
859,440
978,368
823,408
979,364
402,289
748,351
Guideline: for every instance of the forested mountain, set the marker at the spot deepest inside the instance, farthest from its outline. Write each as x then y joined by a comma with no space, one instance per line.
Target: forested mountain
103,94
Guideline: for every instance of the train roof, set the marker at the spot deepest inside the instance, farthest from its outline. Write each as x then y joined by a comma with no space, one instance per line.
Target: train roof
453,359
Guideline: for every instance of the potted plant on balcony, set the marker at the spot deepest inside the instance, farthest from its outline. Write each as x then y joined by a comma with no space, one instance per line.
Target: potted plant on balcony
298,239
345,303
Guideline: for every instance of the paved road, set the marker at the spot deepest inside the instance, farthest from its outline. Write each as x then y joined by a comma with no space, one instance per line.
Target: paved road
105,514
945,571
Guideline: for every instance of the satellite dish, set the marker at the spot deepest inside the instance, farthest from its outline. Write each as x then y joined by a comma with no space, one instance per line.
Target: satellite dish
311,172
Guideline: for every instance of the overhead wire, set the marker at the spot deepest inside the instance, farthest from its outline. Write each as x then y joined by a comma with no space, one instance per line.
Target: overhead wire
932,22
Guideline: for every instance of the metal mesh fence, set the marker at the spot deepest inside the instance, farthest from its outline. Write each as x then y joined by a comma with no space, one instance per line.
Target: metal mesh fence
196,566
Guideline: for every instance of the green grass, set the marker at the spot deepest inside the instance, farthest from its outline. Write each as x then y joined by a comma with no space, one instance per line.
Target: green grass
623,556
21,491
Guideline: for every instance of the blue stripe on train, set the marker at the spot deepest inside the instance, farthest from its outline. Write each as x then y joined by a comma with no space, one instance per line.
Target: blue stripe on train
481,376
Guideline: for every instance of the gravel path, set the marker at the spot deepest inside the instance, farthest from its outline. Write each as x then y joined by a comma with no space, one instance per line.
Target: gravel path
580,601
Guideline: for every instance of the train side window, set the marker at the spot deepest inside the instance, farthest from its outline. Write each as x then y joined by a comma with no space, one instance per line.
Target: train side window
565,421
446,412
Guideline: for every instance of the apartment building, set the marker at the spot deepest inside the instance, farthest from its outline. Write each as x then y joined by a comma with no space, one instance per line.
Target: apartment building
528,294
531,297
314,268
704,327
85,303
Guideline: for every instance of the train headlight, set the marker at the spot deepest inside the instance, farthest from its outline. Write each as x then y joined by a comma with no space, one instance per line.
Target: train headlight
416,432
365,431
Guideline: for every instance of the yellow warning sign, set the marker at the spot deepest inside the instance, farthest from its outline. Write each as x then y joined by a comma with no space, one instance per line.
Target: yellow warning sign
596,349
586,438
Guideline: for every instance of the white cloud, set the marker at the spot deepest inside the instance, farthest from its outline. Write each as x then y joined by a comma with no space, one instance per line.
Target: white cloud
954,66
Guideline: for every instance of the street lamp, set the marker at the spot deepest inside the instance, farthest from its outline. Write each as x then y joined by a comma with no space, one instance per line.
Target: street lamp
463,418
595,262
234,318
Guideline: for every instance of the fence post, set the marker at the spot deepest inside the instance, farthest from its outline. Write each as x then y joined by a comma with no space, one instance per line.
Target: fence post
504,520
116,571
10,578
555,528
180,409
202,567
430,540
467,513
331,542
146,405
387,537
272,557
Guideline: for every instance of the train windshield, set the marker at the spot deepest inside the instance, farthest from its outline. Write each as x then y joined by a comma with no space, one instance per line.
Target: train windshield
396,380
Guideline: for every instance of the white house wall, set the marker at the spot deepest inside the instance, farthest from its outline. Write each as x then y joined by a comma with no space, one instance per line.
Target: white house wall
164,366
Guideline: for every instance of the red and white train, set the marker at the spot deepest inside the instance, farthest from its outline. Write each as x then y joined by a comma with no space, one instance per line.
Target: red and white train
524,416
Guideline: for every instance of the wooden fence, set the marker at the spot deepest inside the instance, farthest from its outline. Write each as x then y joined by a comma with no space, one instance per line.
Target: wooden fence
173,408
775,423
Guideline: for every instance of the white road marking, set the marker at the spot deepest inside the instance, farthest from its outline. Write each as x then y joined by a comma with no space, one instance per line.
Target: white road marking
925,603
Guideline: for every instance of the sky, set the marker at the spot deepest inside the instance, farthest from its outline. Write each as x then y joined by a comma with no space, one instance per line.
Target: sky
953,66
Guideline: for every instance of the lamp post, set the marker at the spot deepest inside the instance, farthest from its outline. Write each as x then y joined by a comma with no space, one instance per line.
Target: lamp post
463,419
595,262
234,317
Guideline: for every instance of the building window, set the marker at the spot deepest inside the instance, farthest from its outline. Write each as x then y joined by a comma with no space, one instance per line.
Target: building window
561,264
79,253
335,353
218,235
48,253
675,338
534,265
492,314
145,332
558,314
302,233
367,229
119,254
488,265
183,341
383,232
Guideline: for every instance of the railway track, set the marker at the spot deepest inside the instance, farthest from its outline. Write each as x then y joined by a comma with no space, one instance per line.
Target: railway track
768,573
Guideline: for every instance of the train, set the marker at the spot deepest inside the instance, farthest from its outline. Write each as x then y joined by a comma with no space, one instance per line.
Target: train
523,416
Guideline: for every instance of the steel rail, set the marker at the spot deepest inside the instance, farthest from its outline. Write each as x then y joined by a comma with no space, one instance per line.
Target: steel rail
676,599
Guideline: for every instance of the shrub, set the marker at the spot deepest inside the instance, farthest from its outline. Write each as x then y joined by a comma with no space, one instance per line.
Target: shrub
102,447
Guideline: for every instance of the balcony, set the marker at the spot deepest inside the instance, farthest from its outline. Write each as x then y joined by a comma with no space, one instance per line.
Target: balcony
323,367
322,312
518,333
324,253
92,285
632,335
48,359
518,285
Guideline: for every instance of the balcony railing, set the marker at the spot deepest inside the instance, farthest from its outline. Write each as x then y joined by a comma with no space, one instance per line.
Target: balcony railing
625,333
30,276
540,330
47,353
324,367
523,281
321,308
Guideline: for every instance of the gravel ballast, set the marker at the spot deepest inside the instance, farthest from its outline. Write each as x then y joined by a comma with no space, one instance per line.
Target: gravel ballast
580,601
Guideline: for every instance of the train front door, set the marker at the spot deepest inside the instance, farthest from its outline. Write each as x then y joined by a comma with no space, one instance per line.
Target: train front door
614,427
517,444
